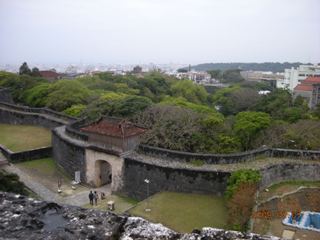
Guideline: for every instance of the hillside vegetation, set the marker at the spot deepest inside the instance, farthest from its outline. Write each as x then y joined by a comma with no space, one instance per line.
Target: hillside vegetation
180,114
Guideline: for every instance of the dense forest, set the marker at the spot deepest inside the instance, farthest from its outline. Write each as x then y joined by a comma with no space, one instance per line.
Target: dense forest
179,114
266,66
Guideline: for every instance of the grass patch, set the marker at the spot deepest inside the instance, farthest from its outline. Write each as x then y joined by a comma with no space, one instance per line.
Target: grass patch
184,212
197,162
24,137
122,204
45,166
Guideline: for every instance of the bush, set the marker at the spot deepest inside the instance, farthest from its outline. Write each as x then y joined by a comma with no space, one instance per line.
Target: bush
239,177
241,189
10,183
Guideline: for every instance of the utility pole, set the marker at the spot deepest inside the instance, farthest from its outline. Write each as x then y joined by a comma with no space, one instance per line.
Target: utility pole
147,181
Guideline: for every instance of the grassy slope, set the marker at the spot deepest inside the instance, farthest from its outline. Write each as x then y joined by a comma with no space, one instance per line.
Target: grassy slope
24,137
184,212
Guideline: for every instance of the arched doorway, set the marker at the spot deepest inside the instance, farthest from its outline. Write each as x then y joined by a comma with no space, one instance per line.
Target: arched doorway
103,173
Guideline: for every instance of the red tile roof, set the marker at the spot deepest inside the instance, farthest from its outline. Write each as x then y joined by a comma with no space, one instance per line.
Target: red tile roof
303,87
311,80
114,128
49,74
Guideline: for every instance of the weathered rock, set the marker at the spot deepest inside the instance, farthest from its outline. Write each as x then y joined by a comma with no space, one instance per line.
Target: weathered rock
25,218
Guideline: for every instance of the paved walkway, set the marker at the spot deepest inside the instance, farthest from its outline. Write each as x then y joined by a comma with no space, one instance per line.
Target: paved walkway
78,199
3,160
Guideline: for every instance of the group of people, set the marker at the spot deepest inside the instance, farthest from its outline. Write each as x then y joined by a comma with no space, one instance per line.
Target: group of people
94,196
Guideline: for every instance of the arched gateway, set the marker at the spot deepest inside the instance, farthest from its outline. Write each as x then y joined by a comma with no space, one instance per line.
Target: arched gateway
115,137
103,173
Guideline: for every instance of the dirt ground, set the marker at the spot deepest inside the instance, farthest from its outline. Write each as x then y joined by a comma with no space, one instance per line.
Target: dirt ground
269,216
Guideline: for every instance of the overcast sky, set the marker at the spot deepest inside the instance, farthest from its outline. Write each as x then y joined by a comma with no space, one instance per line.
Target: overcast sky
159,31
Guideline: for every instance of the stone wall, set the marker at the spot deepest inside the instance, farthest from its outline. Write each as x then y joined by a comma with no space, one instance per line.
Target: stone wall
14,114
207,158
169,179
60,116
69,156
5,95
284,172
15,157
295,153
15,117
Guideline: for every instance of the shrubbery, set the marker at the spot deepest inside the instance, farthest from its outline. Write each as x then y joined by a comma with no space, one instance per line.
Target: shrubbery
240,194
10,183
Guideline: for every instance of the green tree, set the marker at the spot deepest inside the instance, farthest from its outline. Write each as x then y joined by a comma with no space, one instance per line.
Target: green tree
190,91
24,69
65,93
130,105
75,110
232,76
169,126
35,72
248,125
216,74
37,96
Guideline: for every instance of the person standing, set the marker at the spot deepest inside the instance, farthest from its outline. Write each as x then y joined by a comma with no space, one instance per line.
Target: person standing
96,198
91,197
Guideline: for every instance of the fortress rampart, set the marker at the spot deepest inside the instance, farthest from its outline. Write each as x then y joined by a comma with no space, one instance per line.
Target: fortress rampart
167,170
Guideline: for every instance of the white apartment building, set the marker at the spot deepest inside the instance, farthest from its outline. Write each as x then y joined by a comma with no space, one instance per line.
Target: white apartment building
293,77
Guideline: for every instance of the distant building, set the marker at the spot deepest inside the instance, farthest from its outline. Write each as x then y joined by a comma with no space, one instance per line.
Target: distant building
309,89
292,77
137,70
50,75
197,77
260,76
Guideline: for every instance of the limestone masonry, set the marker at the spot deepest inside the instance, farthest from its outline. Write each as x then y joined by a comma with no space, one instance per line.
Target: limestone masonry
25,218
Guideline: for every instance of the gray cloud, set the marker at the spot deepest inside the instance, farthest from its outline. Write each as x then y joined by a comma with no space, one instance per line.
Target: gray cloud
159,31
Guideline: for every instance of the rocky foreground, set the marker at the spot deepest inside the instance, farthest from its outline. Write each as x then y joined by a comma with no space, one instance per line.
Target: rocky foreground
25,218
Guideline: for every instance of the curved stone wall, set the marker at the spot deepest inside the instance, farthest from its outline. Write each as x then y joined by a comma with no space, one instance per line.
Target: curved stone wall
164,178
70,146
14,114
69,155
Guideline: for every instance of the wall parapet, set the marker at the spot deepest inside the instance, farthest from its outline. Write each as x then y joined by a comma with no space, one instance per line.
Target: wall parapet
38,110
207,158
72,130
228,158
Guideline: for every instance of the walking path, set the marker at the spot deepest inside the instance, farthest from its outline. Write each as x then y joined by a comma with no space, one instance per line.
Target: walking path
3,160
78,199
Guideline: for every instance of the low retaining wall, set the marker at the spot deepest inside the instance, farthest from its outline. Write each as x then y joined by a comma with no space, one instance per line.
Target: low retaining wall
285,172
15,157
